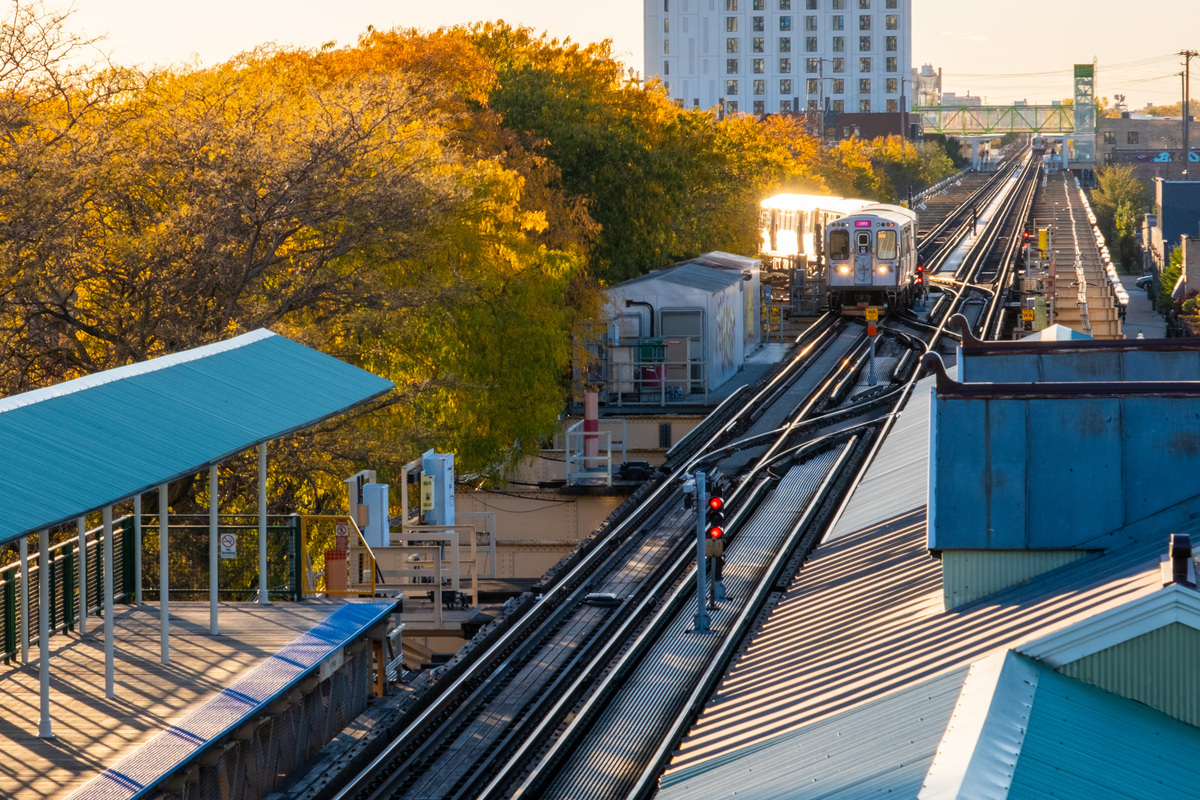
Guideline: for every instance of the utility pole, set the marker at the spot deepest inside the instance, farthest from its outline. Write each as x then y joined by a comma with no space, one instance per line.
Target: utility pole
1187,106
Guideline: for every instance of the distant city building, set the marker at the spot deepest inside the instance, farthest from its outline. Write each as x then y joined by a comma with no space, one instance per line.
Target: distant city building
927,86
783,56
951,99
1153,146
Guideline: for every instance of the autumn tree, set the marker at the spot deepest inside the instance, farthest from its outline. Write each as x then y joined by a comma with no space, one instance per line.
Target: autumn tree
1120,201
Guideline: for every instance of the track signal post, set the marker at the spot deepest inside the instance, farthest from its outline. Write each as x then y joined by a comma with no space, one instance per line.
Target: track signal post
701,547
872,318
714,540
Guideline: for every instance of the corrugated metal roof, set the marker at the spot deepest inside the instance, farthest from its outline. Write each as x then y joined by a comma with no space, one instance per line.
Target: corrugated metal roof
898,479
1083,743
719,259
83,444
837,758
864,618
693,276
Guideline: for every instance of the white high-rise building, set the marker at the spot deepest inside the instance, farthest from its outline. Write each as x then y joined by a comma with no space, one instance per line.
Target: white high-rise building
781,56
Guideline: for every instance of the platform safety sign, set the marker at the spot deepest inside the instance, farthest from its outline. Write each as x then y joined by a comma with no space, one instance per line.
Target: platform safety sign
228,545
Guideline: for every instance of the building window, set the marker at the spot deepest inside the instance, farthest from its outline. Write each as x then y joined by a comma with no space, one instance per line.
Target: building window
666,5
731,66
811,66
891,64
1110,137
760,5
667,25
839,86
785,23
760,107
892,85
864,65
812,105
892,106
785,66
864,4
785,5
839,44
731,106
839,105
889,44
864,106
731,88
890,22
864,44
810,44
864,85
890,4
810,86
667,46
785,106
731,5
759,25
666,68
1131,137
838,5
810,23
731,24
839,22
839,65
785,86
760,87
758,43
864,23
759,66
785,44
731,45
811,5
1108,159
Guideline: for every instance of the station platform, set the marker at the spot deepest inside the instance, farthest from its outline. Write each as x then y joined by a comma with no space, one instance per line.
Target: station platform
213,677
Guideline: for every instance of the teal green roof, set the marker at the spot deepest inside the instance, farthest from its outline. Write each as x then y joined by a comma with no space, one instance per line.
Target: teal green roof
86,443
1085,743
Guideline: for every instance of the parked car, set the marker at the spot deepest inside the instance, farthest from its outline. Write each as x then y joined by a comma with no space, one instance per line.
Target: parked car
1144,281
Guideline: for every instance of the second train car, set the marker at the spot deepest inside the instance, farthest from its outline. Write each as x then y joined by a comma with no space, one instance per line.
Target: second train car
871,257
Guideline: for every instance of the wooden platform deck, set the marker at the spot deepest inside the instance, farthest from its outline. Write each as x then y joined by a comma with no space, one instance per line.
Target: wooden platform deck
92,731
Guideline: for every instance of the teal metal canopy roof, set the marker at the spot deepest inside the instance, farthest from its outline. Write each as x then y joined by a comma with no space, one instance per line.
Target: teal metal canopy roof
90,442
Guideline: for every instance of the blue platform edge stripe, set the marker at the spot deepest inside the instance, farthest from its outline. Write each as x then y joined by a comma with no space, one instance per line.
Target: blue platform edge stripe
139,773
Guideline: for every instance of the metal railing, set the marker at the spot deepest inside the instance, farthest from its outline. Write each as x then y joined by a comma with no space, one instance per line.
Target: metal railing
63,578
187,551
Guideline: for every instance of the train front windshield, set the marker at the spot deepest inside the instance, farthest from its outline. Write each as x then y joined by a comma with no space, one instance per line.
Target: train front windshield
885,245
839,245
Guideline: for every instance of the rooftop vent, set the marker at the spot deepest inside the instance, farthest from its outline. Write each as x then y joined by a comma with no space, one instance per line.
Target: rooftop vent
1178,566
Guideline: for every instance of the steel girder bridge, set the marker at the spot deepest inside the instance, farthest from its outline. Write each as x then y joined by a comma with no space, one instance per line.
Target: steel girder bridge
996,120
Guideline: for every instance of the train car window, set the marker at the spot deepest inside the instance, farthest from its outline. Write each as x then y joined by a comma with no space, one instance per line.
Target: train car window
839,245
885,245
864,243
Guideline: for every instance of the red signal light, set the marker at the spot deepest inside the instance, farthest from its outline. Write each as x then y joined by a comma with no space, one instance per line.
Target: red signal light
716,532
716,503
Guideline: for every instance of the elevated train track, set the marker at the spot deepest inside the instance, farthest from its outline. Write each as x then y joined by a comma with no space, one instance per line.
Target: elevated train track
584,697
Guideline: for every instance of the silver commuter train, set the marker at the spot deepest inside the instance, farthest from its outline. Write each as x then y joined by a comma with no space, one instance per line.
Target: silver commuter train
872,259
793,224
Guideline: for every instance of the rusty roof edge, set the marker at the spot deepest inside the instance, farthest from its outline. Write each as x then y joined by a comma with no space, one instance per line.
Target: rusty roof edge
947,387
977,347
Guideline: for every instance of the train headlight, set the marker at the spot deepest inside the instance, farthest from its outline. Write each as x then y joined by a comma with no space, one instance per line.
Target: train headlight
844,269
883,269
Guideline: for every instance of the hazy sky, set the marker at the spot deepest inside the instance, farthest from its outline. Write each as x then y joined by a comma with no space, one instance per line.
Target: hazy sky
973,43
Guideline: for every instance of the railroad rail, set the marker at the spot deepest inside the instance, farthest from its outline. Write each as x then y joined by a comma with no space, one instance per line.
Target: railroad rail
570,697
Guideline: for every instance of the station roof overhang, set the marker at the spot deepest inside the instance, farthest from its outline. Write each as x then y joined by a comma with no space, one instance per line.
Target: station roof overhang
87,443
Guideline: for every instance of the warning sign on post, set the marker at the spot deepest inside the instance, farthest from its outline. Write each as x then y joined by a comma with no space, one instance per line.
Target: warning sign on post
341,530
1027,314
873,314
228,545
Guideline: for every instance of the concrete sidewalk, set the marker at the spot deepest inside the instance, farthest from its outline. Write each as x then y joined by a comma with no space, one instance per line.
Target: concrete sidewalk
1140,316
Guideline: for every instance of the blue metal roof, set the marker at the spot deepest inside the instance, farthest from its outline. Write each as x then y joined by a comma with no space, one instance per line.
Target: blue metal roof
836,758
691,275
138,774
1086,743
86,443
